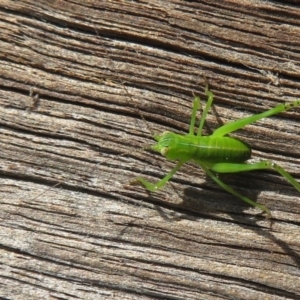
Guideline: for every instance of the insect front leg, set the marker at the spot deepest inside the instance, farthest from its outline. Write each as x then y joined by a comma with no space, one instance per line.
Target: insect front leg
262,165
210,98
232,191
197,106
152,187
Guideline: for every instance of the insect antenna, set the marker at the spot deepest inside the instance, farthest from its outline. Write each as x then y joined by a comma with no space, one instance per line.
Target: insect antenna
140,113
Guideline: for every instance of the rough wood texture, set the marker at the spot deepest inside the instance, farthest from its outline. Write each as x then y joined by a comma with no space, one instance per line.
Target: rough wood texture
75,78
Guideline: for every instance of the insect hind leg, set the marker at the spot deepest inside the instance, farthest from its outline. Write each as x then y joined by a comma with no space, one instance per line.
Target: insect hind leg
238,124
262,165
233,192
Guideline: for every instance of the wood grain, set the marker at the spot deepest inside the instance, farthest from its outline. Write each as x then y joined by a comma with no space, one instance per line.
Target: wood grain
75,79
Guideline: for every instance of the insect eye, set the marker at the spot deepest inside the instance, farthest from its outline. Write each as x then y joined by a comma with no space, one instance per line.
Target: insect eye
164,151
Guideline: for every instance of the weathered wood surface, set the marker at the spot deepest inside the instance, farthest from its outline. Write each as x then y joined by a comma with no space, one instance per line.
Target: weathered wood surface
75,77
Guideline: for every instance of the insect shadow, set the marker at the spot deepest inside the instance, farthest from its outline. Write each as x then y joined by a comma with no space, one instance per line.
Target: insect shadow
209,198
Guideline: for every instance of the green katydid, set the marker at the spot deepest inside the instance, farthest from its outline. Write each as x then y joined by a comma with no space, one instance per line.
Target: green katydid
216,153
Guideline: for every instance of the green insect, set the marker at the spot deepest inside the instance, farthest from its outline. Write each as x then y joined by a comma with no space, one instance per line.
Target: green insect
217,153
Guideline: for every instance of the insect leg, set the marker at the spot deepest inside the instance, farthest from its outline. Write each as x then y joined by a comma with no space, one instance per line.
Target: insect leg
262,165
235,125
233,192
156,186
196,106
210,98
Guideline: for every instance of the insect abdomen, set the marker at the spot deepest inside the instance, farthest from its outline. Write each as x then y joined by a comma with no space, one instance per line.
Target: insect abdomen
210,149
